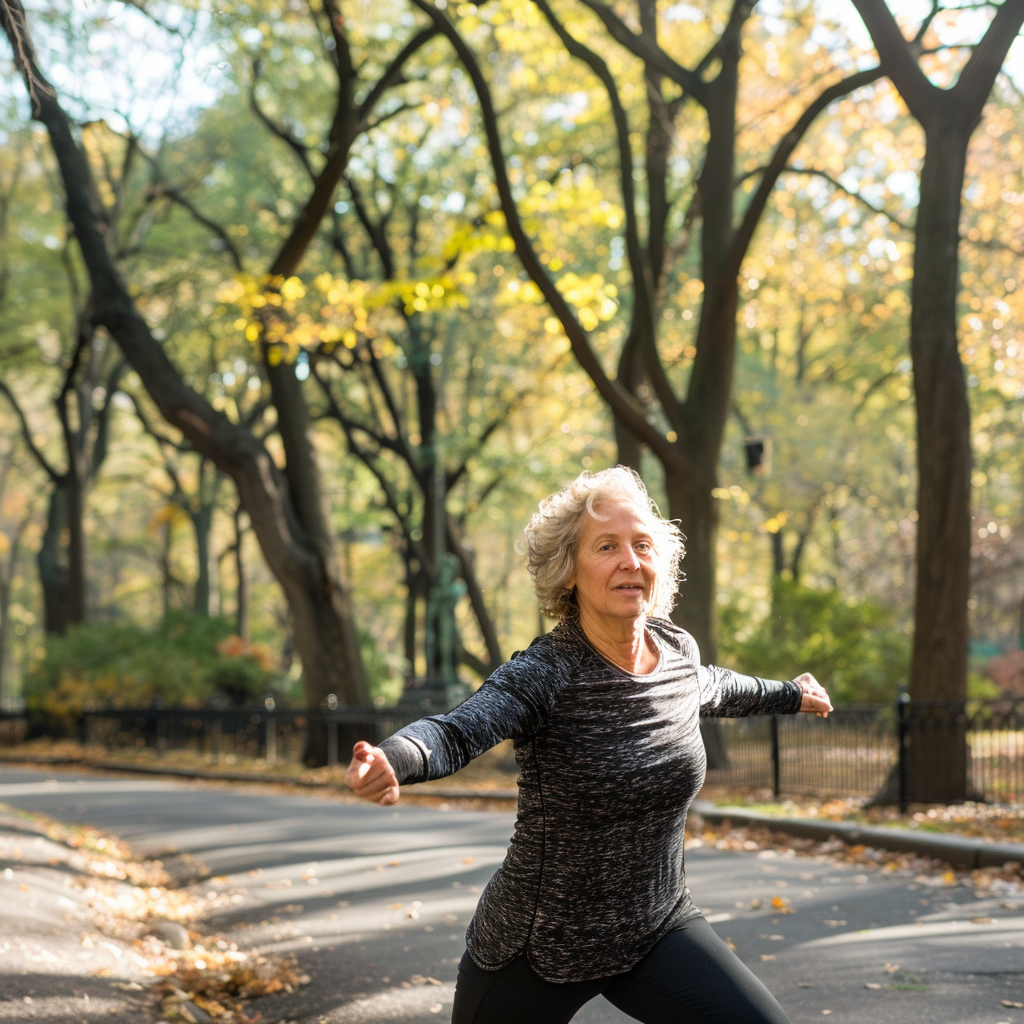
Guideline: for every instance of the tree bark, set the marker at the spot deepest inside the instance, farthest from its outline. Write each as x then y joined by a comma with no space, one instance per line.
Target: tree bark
51,564
938,749
6,585
242,586
202,520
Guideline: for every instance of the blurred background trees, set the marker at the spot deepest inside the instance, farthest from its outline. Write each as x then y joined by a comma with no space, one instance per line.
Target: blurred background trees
304,315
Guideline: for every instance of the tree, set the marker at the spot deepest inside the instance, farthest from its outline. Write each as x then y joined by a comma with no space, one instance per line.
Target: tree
682,424
88,372
16,510
416,409
284,503
948,116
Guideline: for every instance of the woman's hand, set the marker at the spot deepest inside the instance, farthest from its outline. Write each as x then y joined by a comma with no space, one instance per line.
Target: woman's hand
815,700
370,775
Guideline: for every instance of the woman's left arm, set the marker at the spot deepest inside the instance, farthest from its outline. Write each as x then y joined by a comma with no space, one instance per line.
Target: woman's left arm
729,694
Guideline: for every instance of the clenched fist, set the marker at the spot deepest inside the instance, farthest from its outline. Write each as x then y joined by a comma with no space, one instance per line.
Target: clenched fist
370,775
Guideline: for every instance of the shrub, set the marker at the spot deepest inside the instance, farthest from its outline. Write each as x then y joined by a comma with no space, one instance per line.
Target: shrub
186,660
852,648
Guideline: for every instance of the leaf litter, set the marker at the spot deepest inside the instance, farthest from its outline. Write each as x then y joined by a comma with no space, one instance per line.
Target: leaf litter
1003,823
135,902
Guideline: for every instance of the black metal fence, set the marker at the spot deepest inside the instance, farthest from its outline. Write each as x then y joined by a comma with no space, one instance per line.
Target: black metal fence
851,753
13,728
863,751
857,751
221,735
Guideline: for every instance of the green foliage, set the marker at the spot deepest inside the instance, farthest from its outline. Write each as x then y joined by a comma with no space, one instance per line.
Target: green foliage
383,670
851,648
980,687
185,661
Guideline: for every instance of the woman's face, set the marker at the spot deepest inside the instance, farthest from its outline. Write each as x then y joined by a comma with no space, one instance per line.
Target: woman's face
615,574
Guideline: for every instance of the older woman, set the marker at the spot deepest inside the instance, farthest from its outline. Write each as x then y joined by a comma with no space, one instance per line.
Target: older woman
591,897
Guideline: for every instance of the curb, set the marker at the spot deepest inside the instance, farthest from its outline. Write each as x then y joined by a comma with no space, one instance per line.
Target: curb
960,851
153,769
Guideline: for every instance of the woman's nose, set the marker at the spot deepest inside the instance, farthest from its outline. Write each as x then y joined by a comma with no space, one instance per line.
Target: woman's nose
630,560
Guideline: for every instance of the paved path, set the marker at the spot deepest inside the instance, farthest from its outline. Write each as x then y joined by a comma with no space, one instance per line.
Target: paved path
374,902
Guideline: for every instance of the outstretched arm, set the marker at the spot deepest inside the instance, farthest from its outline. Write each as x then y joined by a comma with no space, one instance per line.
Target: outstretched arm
370,775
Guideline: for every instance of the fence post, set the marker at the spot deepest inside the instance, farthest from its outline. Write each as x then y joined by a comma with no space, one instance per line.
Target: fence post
332,742
332,730
215,735
163,734
776,770
269,703
903,713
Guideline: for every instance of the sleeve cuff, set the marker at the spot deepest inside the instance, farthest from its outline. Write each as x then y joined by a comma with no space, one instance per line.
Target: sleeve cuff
796,698
409,758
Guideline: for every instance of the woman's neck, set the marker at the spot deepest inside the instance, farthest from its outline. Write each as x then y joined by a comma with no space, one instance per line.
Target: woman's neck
627,646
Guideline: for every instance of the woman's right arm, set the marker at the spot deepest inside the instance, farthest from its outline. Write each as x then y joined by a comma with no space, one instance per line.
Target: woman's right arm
512,703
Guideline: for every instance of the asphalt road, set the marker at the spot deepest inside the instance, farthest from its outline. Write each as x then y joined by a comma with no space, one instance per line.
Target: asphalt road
374,903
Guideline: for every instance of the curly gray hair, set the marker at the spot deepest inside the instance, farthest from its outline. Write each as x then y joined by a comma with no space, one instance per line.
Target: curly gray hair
552,538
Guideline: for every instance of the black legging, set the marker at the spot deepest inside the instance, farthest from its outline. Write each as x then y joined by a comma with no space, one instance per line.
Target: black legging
690,977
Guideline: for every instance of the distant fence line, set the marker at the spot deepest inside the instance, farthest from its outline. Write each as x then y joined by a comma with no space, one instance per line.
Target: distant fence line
857,751
862,750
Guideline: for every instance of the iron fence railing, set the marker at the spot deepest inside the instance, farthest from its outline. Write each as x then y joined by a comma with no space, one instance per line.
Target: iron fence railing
267,733
13,727
858,751
864,751
851,753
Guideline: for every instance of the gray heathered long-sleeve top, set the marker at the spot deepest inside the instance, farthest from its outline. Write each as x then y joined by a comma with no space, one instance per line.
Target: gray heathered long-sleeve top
609,763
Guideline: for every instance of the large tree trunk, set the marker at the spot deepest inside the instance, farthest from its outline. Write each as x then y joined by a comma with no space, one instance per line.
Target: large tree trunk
242,586
938,761
938,749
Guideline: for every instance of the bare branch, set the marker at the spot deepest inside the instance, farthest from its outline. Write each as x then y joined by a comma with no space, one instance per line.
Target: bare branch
26,434
840,187
654,56
643,284
278,130
176,196
619,398
13,18
395,73
780,158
